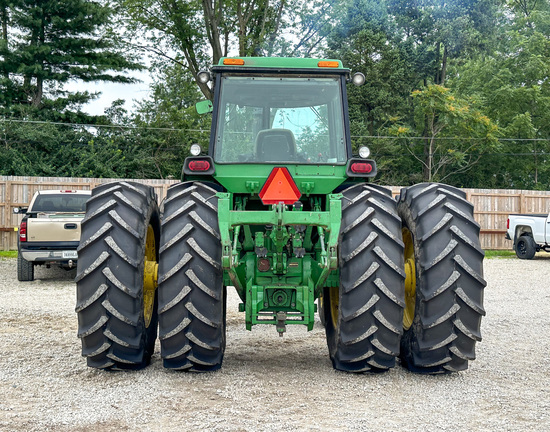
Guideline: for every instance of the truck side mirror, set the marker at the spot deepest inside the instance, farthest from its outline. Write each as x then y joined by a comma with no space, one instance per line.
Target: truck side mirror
20,210
204,107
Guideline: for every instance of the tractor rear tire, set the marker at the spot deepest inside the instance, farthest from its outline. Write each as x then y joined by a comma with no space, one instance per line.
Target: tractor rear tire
25,269
191,292
363,316
117,317
526,247
445,304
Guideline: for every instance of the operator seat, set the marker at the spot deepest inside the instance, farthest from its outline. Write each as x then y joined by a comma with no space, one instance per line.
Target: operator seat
275,145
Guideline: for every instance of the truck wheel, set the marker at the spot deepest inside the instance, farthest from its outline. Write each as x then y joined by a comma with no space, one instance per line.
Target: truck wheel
116,296
25,269
191,292
526,247
363,316
444,284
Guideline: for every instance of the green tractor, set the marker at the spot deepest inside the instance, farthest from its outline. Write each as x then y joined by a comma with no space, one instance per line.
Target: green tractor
279,208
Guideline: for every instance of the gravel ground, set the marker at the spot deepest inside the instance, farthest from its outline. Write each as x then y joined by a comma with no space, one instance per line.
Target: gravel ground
269,383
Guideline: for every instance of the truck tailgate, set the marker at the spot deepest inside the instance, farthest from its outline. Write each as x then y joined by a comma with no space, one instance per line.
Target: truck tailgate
54,227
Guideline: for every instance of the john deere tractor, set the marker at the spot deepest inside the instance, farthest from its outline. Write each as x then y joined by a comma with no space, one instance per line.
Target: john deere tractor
279,208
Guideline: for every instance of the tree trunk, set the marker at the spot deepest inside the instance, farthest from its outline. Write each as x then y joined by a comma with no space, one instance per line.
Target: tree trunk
444,65
4,15
37,96
274,33
437,78
211,20
242,30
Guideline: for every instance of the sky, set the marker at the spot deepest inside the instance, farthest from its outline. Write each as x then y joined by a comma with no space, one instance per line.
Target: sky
113,91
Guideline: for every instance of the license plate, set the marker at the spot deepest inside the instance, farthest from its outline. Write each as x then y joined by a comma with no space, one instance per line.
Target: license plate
70,254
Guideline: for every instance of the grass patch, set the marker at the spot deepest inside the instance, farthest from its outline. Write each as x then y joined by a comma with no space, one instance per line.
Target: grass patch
499,254
8,254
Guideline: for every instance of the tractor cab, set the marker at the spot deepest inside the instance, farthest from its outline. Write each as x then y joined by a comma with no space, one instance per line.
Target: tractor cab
296,119
265,115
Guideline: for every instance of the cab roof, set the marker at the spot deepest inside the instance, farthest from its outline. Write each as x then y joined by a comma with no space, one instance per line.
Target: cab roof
281,63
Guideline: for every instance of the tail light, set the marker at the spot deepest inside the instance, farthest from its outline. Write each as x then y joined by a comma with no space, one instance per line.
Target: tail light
508,223
361,167
199,165
23,232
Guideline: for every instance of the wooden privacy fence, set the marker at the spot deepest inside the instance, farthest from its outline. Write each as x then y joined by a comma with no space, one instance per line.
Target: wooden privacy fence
18,191
491,207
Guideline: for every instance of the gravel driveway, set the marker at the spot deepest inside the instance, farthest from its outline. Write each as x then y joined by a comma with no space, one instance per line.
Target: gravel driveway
269,383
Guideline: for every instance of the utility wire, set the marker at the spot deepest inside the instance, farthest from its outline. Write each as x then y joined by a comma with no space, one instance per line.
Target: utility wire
84,125
380,137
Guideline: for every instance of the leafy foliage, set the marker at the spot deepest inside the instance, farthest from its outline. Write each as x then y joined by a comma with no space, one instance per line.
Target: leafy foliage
455,91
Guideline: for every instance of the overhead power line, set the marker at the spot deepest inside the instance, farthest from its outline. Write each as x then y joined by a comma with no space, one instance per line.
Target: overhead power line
170,129
85,125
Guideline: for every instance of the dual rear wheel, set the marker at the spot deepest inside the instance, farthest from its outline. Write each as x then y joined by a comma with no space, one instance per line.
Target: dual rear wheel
419,266
119,307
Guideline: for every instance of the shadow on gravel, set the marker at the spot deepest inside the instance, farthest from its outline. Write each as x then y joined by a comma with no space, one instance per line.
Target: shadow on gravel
53,273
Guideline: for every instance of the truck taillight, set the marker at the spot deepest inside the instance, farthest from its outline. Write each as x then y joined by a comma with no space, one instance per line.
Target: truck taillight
199,165
508,223
23,232
361,167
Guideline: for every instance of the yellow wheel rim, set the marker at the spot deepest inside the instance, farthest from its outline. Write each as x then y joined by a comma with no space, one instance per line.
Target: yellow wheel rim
410,280
150,276
334,305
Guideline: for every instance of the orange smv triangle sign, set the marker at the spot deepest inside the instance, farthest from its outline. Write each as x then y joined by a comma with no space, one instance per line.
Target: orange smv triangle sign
280,187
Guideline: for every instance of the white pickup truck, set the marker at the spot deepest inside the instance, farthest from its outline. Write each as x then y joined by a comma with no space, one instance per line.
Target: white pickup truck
530,234
50,230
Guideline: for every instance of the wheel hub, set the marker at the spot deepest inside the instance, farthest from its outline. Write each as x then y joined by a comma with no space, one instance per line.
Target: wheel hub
334,305
410,280
150,276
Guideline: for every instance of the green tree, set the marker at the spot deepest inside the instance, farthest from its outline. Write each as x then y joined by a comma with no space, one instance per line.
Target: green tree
438,31
455,133
44,45
167,123
47,43
196,34
513,86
